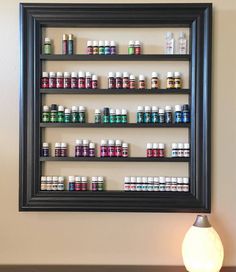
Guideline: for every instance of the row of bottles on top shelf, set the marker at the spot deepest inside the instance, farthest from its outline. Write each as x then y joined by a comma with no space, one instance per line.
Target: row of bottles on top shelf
145,114
117,80
111,47
131,184
114,148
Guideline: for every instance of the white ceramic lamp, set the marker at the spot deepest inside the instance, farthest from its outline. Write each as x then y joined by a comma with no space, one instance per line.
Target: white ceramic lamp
202,249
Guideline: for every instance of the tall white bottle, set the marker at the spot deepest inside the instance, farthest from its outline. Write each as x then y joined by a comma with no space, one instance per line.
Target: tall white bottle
170,43
182,44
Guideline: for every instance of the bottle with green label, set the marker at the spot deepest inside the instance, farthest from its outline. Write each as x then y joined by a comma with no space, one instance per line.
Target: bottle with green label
60,115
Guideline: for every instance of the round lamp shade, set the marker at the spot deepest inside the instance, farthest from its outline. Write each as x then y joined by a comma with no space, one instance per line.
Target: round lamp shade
202,249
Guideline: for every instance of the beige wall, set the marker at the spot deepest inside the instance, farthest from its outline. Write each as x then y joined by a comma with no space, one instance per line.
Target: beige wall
109,238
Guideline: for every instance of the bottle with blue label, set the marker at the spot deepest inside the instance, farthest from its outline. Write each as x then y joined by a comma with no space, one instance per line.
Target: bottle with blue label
178,114
140,114
71,183
168,114
186,114
147,114
161,116
154,114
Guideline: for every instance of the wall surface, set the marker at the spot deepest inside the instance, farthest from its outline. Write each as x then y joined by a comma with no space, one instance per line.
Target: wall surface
115,238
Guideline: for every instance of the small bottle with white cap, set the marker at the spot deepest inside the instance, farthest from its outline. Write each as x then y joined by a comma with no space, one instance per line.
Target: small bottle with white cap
144,184
100,184
156,184
124,116
182,44
132,83
57,149
81,80
147,114
131,48
77,183
125,150
137,48
178,114
138,184
161,150
94,82
154,114
140,115
89,47
168,115
186,150
54,183
82,114
92,152
107,49
141,82
74,80
125,80
78,148
174,150
95,48
162,183
149,150
71,183
161,116
88,80
185,184
45,151
64,150
111,80
67,116
170,80
113,48
179,184
84,184
94,186
154,81
101,49
177,80
45,80
150,184
46,114
169,43
118,116
119,80
155,150
43,184
61,185
173,186
74,114
180,150
49,184
60,80
52,80
111,148
47,46
133,184
97,116
126,184
112,116
118,148
168,184
85,148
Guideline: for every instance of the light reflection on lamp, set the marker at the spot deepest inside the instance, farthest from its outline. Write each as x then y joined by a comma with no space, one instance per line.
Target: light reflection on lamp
202,249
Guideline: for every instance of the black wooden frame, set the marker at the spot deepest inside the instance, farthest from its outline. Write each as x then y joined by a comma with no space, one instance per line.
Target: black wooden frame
198,17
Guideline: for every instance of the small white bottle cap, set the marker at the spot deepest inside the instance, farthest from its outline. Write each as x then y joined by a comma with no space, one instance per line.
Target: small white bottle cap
156,179
139,179
174,145
45,145
149,145
182,35
67,74
132,77
45,108
170,74
85,142
161,145
43,178
111,74
100,179
168,179
81,108
84,179
124,144
162,179
161,110
154,108
186,145
144,179
185,180
63,145
179,180
177,74
47,40
74,108
177,107
126,179
112,111
89,43
78,142
124,111
97,111
60,108
118,142
52,74
131,42
61,179
49,179
173,179
155,145
95,43
91,145
118,74
74,74
133,179
77,179
55,179
111,142
57,144
150,179
118,112
94,77
125,74
88,74
147,108
107,43
101,43
154,74
103,142
71,178
45,74
113,43
169,35
140,108
141,77
68,111
94,179
59,74
81,74
180,145
168,108
137,42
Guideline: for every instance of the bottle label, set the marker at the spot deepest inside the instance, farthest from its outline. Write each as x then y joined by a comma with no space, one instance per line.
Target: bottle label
44,83
60,187
177,83
140,117
71,186
45,117
91,152
149,153
178,117
118,83
155,152
141,84
154,83
118,151
85,151
132,84
94,186
161,153
168,117
78,151
67,118
111,151
186,117
82,117
174,153
154,117
161,118
77,186
103,151
63,152
124,119
180,153
52,82
88,83
84,186
126,83
59,82
186,153
125,152
74,117
43,186
81,83
47,49
113,50
170,83
67,83
118,119
94,84
53,117
131,50
74,83
101,50
97,118
147,117
90,50
111,83
107,50
95,50
137,50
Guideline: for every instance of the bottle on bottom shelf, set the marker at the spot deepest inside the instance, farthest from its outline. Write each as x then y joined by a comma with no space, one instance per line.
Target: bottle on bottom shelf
156,184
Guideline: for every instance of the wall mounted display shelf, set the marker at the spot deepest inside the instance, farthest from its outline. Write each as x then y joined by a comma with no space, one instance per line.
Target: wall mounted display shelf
198,19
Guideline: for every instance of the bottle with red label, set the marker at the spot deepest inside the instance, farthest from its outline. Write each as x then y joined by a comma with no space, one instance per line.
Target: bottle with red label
141,82
52,80
74,80
149,150
81,80
60,80
118,80
161,150
45,81
67,80
137,48
118,148
111,148
111,80
125,80
155,150
103,148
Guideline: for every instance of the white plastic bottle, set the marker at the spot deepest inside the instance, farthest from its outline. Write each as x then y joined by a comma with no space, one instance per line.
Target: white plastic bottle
182,44
169,43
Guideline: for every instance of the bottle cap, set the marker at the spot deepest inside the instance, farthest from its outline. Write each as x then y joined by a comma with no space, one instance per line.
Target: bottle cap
101,43
67,111
47,40
49,179
46,108
111,74
147,108
141,77
168,108
81,108
61,108
185,107
94,77
74,109
132,77
59,74
162,179
113,43
179,180
94,179
154,108
85,142
111,142
180,145
89,43
144,179
161,145
132,179
155,145
97,111
88,74
131,42
124,111
137,42
106,111
84,179
150,179
61,179
118,142
118,74
55,179
64,37
156,179
169,35
186,145
81,74
112,111
54,107
100,179
91,145
149,145
177,107
182,35
125,145
118,112
125,74
173,179
45,74
64,145
174,145
74,74
52,74
170,74
177,74
168,179
95,43
71,178
77,179
107,43
45,145
185,180
126,179
70,37
78,142
140,108
43,178
154,74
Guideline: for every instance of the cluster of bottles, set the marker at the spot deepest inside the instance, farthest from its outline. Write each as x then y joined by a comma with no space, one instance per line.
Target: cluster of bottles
59,114
101,48
109,115
155,150
125,80
134,48
156,184
173,80
148,114
180,150
114,148
69,80
170,46
67,45
72,183
84,148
